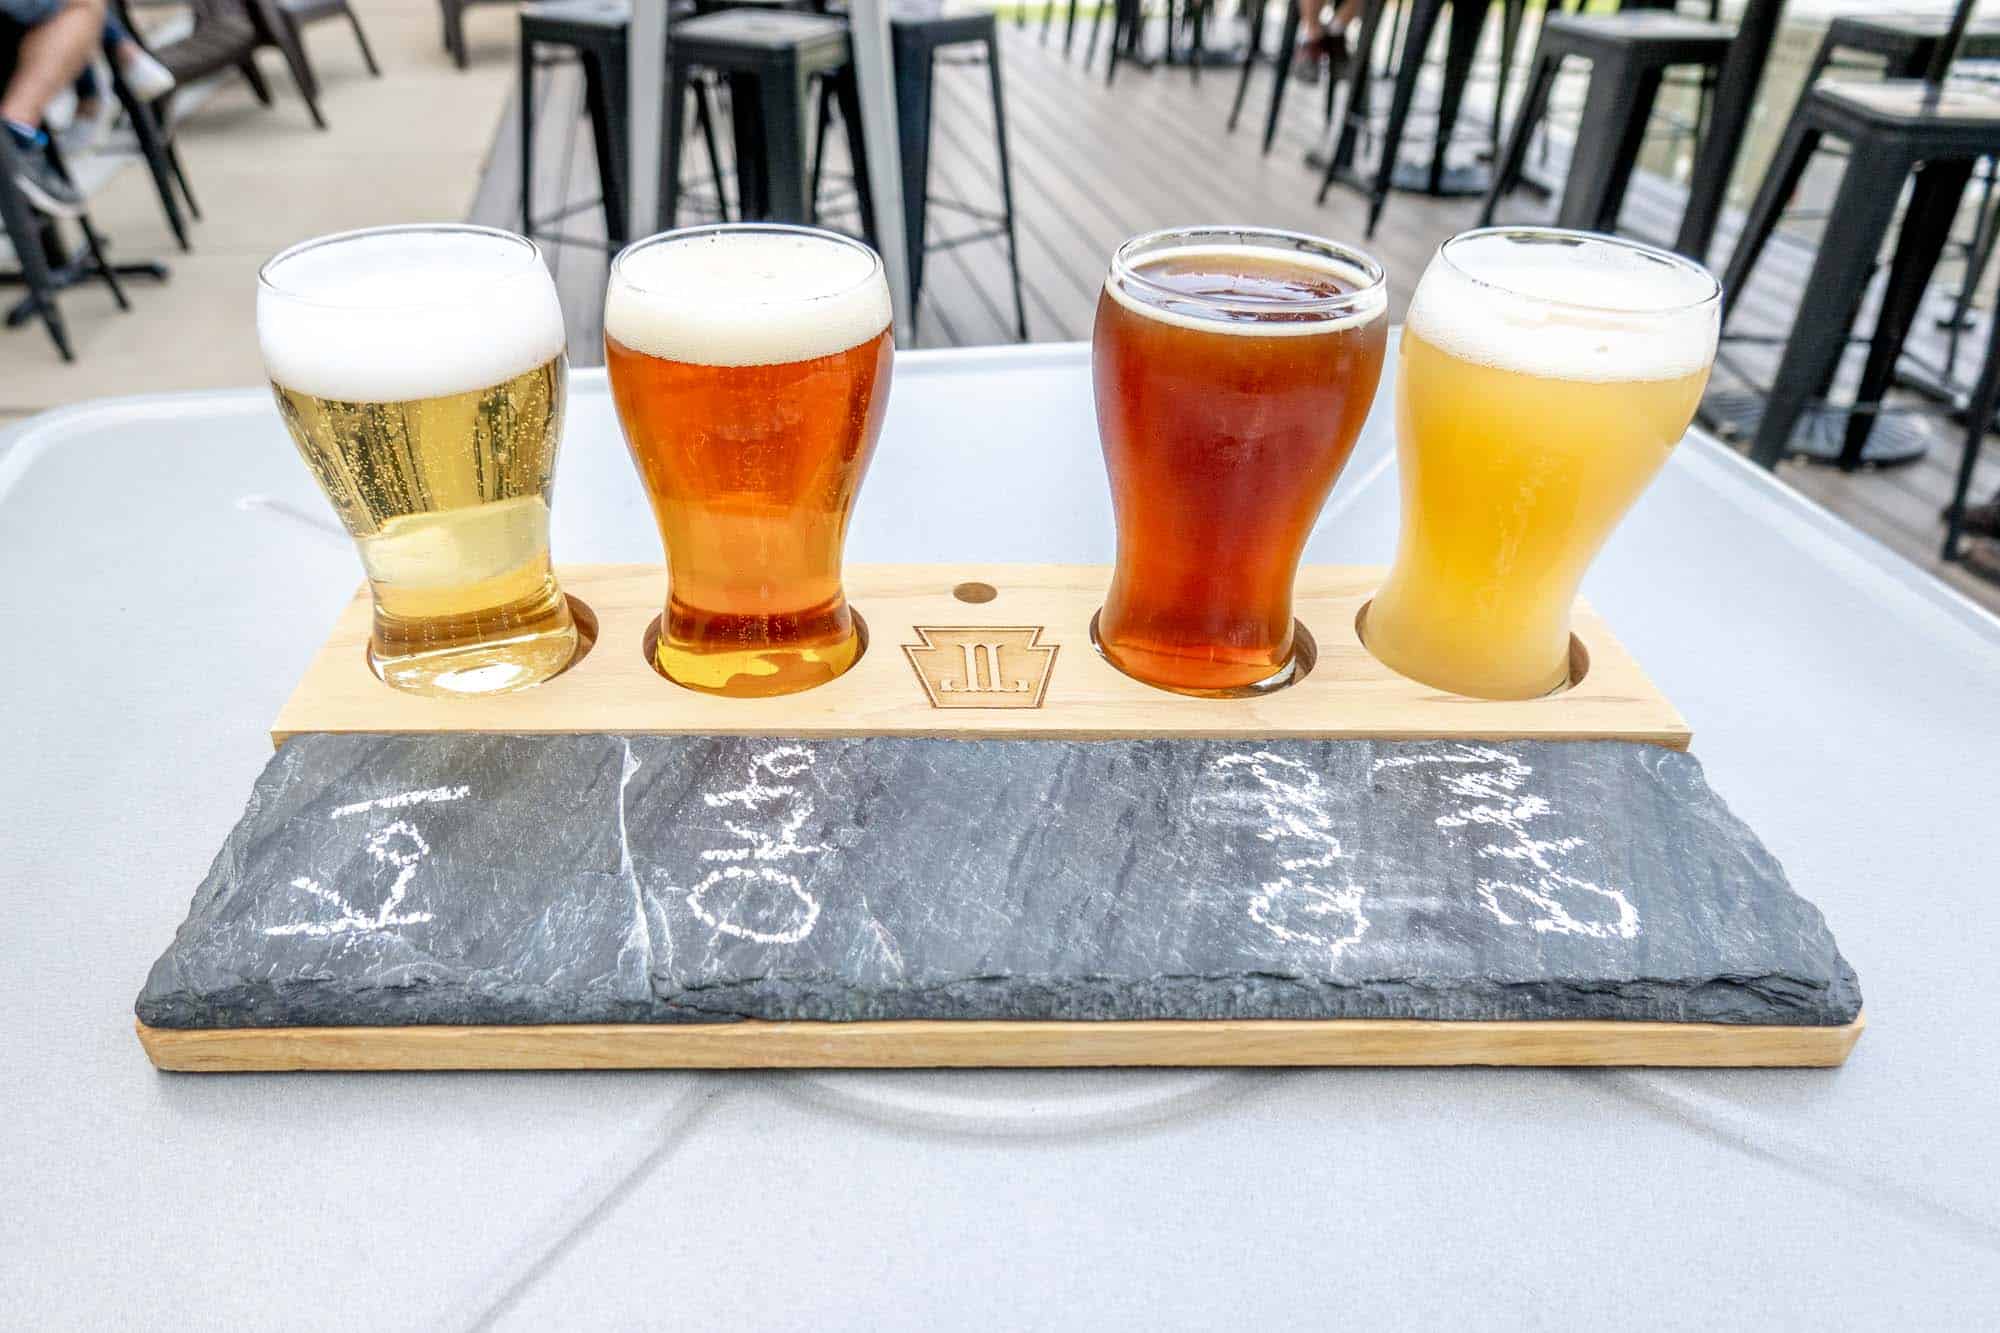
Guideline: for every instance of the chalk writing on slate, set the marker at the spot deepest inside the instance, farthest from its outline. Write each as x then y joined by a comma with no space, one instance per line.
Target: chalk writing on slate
537,879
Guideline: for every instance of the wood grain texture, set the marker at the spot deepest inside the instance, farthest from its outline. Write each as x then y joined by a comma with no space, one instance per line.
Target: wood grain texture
1347,695
918,1045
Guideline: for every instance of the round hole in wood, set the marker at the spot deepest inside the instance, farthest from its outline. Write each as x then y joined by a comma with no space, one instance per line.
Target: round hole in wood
975,592
1579,656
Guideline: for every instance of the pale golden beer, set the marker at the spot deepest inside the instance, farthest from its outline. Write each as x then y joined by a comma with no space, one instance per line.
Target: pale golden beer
1544,378
420,371
750,366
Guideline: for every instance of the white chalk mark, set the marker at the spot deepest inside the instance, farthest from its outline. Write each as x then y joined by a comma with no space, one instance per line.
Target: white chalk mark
637,937
1296,907
765,793
380,848
402,799
1491,781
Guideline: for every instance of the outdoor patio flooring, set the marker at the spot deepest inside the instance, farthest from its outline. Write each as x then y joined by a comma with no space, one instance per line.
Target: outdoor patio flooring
1092,166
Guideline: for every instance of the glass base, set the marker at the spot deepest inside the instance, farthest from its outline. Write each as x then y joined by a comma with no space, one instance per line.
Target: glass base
757,673
1291,670
497,667
1451,683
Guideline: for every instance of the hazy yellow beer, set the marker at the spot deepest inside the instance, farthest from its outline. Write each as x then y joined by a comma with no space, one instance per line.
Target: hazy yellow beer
420,371
750,367
1545,377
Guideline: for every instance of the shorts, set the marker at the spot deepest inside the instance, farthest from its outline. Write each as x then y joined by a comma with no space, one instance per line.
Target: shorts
31,13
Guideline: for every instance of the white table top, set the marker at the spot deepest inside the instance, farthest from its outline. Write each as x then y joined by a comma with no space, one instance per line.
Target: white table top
170,568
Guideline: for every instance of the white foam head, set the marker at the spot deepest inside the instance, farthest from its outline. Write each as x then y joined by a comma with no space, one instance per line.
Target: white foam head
395,313
746,296
1366,297
1568,306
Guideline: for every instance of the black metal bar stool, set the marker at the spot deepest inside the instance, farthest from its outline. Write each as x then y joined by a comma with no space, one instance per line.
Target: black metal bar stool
1903,45
1467,25
919,32
1893,131
1629,54
770,59
596,35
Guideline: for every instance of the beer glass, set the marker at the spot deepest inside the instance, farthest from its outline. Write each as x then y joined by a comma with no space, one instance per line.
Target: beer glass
1543,380
421,372
1233,368
750,367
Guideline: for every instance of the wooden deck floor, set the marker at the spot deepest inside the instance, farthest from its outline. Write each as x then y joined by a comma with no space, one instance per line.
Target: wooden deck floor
1092,166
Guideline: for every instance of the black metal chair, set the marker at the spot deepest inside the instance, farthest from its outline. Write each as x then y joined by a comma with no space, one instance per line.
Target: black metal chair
596,35
45,265
1894,131
1468,22
920,32
770,59
296,15
454,26
227,35
1629,54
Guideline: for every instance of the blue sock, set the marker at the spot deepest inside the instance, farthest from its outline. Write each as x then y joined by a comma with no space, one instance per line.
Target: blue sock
26,137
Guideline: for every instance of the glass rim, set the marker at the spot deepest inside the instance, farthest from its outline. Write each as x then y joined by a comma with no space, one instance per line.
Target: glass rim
876,271
1654,252
1346,303
268,281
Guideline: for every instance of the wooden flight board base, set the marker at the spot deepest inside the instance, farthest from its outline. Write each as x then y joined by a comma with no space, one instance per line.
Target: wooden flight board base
989,650
973,1044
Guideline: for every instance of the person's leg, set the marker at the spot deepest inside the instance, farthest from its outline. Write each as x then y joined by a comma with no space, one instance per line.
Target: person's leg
53,53
59,36
148,79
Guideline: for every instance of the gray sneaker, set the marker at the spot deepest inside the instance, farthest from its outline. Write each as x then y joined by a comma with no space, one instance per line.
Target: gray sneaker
46,187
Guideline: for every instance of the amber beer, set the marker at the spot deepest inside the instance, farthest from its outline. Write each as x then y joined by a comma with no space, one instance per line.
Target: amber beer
1545,378
1233,369
420,371
750,367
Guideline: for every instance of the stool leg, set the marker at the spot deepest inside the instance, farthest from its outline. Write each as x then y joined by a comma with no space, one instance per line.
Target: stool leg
916,77
610,179
1096,23
705,117
746,130
1780,182
1423,20
822,122
781,97
1360,78
1507,169
1978,255
1860,217
670,148
1468,21
1512,12
1615,112
1249,62
1006,192
527,95
1926,228
361,40
1288,40
1985,399
616,145
1199,37
1069,29
847,88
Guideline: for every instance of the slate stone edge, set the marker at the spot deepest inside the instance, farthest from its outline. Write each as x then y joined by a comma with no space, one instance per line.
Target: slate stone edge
1739,1001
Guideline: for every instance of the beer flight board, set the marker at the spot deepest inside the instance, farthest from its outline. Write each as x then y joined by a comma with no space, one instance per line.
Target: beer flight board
1002,652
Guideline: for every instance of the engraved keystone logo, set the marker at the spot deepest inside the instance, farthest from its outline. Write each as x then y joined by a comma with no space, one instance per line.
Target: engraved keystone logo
982,666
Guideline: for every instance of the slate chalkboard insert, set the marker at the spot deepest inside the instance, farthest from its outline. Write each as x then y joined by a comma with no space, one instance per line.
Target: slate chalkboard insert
462,879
